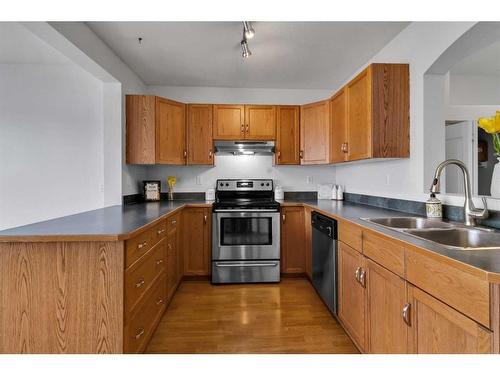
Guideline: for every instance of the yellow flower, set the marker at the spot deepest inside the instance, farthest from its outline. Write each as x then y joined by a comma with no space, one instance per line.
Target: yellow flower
490,124
171,180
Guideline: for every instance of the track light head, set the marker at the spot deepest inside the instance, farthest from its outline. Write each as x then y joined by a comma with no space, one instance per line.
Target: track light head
246,51
248,30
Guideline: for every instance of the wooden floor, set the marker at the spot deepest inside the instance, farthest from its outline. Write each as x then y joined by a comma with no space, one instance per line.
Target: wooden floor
287,317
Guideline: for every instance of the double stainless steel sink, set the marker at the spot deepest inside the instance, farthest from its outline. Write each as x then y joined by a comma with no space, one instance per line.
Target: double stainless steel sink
451,235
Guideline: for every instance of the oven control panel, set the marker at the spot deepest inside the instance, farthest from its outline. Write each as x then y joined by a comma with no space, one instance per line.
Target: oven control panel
245,185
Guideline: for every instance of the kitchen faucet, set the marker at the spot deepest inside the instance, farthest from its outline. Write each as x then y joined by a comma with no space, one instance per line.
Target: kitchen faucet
471,213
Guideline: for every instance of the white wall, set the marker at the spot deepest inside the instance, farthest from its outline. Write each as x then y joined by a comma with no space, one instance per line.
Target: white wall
420,44
51,142
200,178
474,89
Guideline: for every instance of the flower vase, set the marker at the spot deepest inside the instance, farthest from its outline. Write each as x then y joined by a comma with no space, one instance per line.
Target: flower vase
170,194
495,179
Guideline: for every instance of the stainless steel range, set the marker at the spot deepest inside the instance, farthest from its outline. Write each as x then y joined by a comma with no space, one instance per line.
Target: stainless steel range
246,232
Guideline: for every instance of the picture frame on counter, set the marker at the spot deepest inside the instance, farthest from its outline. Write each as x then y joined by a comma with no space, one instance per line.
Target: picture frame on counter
151,190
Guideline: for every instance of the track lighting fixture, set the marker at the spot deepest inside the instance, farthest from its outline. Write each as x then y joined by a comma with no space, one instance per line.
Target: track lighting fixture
246,51
248,30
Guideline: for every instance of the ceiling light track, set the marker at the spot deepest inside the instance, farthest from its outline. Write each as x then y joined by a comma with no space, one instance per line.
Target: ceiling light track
248,33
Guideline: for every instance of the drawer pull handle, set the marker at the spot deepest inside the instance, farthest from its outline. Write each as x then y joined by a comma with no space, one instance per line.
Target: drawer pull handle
362,278
406,314
159,261
170,246
356,274
174,221
160,301
142,244
160,231
140,283
139,333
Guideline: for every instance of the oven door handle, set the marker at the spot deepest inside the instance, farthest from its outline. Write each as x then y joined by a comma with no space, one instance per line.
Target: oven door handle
244,210
270,264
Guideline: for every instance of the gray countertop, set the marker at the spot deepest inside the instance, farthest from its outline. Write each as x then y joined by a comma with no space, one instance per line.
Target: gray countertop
119,222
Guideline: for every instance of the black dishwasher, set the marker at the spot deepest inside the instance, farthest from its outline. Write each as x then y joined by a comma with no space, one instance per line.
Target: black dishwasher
324,259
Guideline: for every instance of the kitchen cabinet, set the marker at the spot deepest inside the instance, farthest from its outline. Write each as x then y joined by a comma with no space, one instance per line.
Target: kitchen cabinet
315,133
287,135
338,108
196,241
174,259
170,132
156,130
260,122
229,122
352,284
293,255
199,134
237,122
437,328
377,113
386,302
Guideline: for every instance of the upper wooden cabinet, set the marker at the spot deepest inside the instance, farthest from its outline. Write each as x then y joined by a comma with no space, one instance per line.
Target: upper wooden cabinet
260,122
377,113
338,110
287,134
156,130
229,121
199,134
234,122
170,132
315,133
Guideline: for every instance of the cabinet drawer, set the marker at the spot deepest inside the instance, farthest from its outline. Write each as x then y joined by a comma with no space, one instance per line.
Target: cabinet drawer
141,326
384,251
158,232
137,246
172,222
462,289
350,234
140,277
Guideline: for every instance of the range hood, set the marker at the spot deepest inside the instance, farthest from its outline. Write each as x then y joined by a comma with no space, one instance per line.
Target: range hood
244,147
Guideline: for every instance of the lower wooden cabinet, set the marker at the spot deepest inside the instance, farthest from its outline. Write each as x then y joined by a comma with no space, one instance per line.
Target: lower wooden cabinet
352,291
308,241
438,328
293,254
385,301
173,255
196,240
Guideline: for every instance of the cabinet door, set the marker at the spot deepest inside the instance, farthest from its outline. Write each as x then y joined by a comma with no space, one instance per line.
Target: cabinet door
170,132
438,328
315,133
260,122
386,298
339,127
229,121
140,116
172,260
293,257
199,134
359,121
352,303
196,241
288,135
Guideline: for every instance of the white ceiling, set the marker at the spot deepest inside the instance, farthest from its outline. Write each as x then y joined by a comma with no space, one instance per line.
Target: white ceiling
298,55
484,62
18,45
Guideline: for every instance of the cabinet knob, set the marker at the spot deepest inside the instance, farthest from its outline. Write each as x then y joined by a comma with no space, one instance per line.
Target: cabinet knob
160,231
242,128
142,244
139,333
159,261
140,283
247,127
406,314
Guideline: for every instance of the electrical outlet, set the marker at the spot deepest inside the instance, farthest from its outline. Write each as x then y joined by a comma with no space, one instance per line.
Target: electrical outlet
309,180
198,180
101,188
387,179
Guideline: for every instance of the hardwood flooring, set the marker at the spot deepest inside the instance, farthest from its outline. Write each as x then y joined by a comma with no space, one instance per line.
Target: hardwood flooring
287,317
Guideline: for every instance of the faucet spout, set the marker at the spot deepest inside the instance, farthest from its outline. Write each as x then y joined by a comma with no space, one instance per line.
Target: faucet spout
471,213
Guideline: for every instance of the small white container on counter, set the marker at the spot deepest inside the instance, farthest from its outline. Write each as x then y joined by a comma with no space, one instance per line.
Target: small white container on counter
334,192
279,194
210,194
340,193
324,191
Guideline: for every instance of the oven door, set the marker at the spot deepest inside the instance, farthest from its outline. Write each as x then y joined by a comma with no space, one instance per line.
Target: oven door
246,235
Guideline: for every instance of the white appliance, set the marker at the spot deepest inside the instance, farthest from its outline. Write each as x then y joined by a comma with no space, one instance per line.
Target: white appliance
210,194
